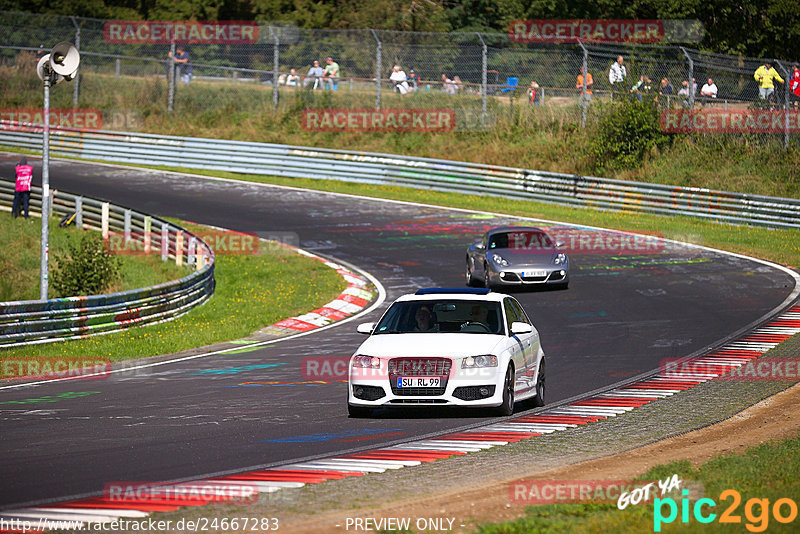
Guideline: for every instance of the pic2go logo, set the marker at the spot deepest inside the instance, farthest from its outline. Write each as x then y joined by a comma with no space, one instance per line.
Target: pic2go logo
756,511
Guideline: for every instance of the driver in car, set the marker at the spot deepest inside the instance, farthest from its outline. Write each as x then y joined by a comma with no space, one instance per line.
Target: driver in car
424,319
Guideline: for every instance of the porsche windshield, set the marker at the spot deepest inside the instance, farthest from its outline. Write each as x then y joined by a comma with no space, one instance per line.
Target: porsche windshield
522,241
433,316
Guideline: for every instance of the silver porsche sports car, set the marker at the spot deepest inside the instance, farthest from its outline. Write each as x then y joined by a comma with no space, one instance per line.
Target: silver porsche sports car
517,255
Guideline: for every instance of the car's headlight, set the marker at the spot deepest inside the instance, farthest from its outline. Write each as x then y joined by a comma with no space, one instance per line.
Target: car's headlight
499,260
474,362
368,362
560,259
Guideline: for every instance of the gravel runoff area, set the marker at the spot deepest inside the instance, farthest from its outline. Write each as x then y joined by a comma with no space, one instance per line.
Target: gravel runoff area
475,487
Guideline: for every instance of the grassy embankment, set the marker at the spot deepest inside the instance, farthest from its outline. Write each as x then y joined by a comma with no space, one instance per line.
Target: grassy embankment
252,291
20,261
545,138
768,471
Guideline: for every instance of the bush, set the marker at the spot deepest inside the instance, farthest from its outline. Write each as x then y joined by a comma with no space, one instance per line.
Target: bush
85,269
624,132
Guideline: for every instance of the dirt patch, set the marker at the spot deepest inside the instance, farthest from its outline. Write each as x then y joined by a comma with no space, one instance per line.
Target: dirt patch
776,417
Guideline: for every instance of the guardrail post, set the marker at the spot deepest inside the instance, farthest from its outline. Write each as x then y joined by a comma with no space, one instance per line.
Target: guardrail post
179,248
378,54
117,69
104,220
126,230
191,255
147,224
79,213
164,242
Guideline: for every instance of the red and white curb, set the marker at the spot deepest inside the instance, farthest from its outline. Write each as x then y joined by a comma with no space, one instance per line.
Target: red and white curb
581,412
355,298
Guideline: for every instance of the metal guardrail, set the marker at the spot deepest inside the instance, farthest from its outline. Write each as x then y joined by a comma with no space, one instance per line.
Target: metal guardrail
420,173
36,321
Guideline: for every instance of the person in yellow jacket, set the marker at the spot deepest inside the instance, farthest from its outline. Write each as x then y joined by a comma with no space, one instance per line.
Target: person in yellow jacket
764,75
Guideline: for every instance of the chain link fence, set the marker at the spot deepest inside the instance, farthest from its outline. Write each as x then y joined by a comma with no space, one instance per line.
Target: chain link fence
479,76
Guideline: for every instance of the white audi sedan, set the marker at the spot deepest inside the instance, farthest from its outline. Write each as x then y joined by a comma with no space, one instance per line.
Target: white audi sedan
448,347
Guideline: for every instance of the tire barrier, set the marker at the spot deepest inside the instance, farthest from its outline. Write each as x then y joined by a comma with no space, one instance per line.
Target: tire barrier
420,173
36,321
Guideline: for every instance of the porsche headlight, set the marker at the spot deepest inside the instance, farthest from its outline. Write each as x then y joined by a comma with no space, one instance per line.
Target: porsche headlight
367,362
474,362
560,259
499,260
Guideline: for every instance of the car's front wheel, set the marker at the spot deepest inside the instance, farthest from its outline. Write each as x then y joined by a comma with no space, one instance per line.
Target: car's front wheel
507,408
470,279
540,386
487,282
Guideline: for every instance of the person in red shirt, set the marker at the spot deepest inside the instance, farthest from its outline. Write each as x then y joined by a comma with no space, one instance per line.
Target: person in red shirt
22,187
794,87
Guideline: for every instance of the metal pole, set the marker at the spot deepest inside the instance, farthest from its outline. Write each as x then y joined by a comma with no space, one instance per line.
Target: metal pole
45,248
786,77
483,78
584,99
77,79
171,78
378,69
275,58
691,77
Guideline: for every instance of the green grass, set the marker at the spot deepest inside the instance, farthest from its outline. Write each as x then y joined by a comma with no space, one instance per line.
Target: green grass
768,471
20,261
252,291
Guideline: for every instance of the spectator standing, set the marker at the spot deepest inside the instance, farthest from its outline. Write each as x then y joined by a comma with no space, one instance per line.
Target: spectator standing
183,63
666,90
400,80
22,187
458,84
708,91
314,76
534,94
331,74
765,76
794,86
616,75
589,85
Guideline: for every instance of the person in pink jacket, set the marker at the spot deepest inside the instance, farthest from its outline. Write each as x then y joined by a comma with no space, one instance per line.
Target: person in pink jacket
22,188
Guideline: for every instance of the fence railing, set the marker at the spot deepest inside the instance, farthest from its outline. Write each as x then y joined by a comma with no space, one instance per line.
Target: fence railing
141,77
420,173
36,321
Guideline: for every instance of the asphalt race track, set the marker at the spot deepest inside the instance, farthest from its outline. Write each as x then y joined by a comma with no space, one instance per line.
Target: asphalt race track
622,315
